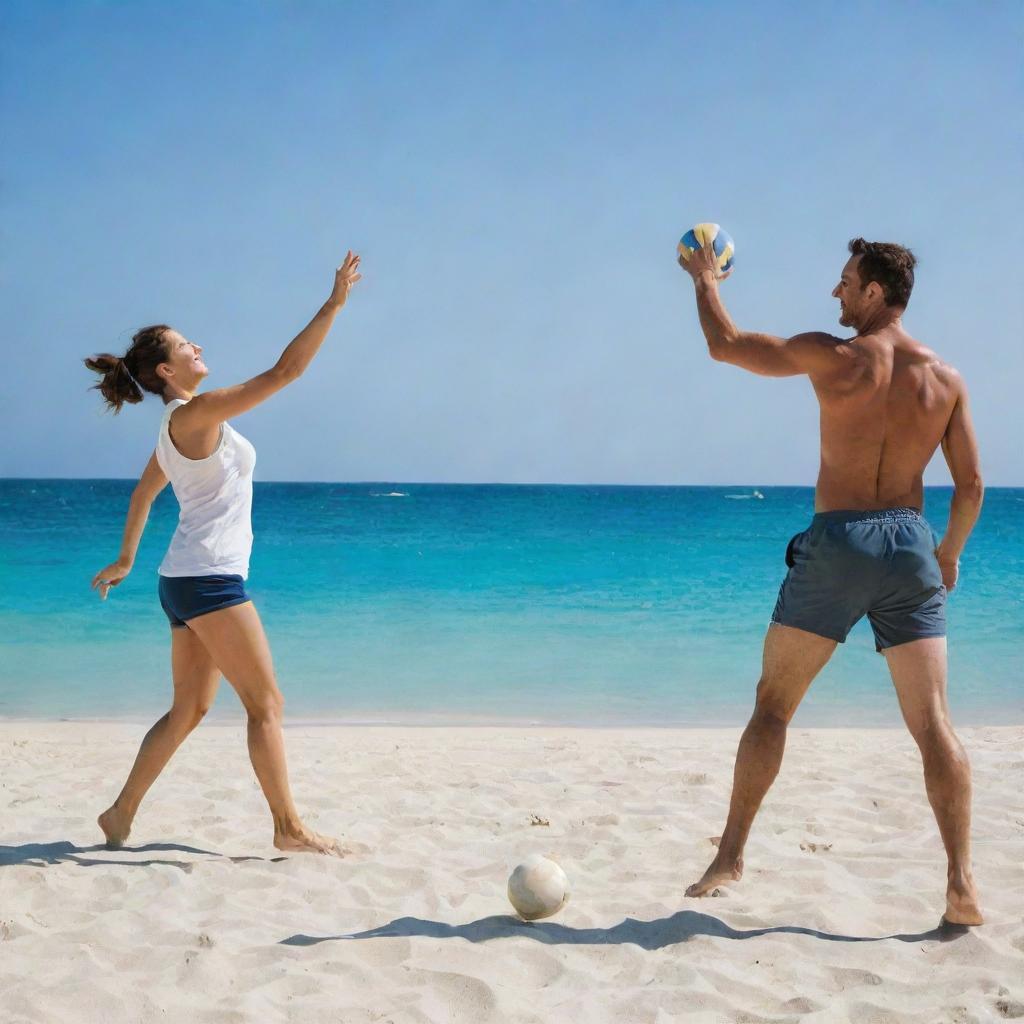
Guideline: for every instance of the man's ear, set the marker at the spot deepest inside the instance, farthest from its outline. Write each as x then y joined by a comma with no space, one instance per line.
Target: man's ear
875,292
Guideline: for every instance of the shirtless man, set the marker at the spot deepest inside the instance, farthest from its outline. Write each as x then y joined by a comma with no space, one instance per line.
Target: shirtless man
887,403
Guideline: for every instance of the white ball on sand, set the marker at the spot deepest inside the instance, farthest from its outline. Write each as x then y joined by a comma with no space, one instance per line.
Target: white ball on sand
538,888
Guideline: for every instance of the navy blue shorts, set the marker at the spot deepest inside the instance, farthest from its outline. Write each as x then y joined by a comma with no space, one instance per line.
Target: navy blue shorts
850,564
188,597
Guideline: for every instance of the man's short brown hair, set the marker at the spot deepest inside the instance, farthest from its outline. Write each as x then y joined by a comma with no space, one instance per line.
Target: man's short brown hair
890,265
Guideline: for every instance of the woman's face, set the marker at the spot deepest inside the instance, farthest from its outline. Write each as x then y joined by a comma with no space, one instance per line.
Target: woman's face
184,361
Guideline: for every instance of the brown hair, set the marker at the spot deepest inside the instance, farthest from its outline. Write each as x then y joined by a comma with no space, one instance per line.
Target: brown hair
125,377
888,264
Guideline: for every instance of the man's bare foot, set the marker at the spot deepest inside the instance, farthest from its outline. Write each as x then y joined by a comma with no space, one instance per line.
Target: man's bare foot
115,828
718,874
962,902
306,841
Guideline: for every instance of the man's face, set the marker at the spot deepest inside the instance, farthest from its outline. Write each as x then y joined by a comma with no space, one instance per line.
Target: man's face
850,294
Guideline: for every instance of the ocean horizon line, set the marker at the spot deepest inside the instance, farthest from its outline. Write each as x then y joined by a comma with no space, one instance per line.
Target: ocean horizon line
487,483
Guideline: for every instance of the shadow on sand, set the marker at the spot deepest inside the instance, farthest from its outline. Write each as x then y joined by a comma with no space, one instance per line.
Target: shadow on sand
41,854
667,931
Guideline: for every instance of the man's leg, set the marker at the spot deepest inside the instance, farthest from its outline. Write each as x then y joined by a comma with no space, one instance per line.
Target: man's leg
919,674
792,658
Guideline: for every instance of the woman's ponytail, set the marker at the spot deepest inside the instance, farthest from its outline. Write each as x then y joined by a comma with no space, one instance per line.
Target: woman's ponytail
117,386
124,379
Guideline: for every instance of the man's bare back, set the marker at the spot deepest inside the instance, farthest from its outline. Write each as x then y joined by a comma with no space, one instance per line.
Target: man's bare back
885,408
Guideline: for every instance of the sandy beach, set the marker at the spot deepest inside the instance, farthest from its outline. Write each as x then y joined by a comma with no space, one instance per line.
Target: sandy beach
837,918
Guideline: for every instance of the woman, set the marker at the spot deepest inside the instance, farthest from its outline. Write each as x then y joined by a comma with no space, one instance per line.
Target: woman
215,629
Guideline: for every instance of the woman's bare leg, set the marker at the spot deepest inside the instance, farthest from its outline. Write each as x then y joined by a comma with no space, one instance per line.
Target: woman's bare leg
235,639
196,678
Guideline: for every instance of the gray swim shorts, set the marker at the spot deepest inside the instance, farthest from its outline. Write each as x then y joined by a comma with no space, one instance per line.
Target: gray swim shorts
849,564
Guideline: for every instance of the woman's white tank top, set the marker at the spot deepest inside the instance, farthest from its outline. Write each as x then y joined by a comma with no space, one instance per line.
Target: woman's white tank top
214,534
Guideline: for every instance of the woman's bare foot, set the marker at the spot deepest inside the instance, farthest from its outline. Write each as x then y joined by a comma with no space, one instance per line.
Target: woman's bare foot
305,841
962,902
115,828
719,873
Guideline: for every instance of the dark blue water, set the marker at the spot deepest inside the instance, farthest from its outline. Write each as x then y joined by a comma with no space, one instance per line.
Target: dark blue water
402,602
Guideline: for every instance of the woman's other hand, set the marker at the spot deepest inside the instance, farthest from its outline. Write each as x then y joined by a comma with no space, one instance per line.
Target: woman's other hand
110,577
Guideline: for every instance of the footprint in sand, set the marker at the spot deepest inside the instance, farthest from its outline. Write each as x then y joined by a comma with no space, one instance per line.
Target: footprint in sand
851,977
1007,1006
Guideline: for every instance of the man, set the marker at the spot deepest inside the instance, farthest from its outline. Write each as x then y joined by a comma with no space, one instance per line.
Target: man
887,403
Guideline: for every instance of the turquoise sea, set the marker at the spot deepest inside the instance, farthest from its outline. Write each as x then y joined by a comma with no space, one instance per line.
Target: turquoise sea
416,602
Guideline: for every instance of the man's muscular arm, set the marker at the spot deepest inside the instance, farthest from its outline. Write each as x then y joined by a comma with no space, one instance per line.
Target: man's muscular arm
759,353
960,447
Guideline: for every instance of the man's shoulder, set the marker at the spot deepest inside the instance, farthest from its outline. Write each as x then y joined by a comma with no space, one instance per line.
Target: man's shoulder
819,339
913,353
820,352
821,343
947,373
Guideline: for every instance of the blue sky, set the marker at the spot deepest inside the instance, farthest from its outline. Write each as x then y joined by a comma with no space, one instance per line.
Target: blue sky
516,177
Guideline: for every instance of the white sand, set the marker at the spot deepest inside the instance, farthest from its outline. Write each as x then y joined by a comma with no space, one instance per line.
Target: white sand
200,921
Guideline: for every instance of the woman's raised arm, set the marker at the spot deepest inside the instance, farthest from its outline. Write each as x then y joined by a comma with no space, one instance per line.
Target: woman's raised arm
214,407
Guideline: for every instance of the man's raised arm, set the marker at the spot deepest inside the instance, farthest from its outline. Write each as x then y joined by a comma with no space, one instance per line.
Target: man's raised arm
760,353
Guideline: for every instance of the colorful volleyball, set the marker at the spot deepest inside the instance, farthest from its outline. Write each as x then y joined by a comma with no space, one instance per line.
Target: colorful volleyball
704,234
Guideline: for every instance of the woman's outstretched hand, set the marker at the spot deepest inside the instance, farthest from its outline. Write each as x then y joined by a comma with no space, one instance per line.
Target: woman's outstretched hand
344,277
110,577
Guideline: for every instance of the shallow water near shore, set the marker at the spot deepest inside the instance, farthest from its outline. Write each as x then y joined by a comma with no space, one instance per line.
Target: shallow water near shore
449,603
